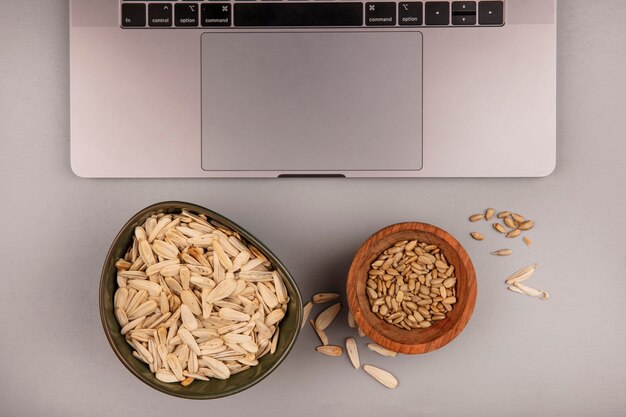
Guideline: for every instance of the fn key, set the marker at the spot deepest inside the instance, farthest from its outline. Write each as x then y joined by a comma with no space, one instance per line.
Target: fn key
133,15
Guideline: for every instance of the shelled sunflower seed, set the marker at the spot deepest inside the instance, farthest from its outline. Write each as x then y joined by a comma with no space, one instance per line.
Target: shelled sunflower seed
195,301
411,285
512,225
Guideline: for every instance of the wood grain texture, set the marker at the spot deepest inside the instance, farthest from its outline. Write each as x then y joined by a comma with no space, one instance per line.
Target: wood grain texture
418,340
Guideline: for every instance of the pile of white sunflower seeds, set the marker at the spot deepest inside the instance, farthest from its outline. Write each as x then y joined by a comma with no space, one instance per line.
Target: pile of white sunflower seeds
196,302
411,285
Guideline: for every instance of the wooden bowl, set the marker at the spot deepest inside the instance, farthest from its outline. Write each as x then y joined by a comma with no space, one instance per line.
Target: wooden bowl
418,340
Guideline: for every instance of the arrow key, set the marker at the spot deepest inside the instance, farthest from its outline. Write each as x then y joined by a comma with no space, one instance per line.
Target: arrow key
159,14
490,13
464,19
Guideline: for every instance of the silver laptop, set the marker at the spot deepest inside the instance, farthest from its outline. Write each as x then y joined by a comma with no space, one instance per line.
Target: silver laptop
247,88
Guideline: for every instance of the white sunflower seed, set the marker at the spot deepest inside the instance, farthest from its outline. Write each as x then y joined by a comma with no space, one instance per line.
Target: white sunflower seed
269,298
189,340
175,366
219,369
324,297
353,352
143,310
306,311
330,350
166,376
152,288
320,333
274,317
230,314
382,376
522,274
351,322
326,317
381,350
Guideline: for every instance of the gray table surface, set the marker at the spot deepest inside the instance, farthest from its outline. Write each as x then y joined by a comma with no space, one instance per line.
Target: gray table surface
517,357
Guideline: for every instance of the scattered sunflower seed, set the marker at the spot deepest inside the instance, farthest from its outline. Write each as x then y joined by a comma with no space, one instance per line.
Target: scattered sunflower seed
382,376
509,222
522,274
476,217
477,236
351,322
381,350
514,233
502,252
499,228
518,218
353,352
329,350
533,292
324,297
306,311
320,333
326,317
526,225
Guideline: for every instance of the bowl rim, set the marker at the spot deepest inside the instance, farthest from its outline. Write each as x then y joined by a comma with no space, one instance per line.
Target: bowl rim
371,331
164,205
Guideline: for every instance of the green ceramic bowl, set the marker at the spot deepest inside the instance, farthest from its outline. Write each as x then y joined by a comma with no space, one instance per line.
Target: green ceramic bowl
215,388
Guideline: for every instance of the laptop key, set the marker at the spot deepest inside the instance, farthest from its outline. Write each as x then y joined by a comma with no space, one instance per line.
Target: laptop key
437,13
215,14
380,14
463,7
463,20
490,12
186,15
159,14
463,13
133,15
298,14
410,13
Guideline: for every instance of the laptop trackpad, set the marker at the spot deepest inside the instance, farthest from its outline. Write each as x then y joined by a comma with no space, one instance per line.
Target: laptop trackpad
321,101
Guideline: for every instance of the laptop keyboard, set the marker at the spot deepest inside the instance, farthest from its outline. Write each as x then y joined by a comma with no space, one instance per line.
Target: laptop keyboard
314,13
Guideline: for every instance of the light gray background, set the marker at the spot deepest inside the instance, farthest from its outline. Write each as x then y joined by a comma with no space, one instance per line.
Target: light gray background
517,357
